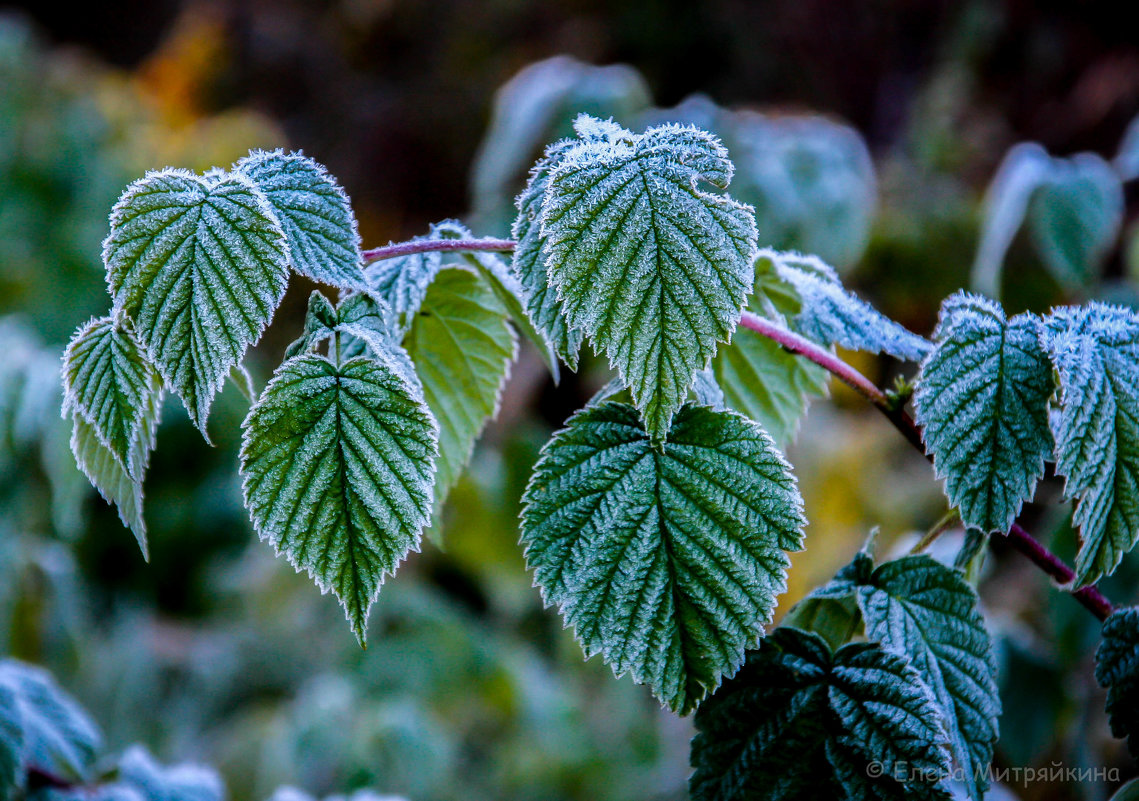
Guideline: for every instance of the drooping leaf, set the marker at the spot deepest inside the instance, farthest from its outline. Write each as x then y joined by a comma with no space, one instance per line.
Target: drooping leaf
529,261
113,397
982,401
651,267
665,558
109,383
917,607
337,467
199,265
1095,350
462,347
831,315
11,744
314,213
58,736
155,782
798,723
1117,670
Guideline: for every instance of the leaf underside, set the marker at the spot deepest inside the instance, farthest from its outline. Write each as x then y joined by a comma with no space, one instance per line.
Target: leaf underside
799,724
337,467
658,560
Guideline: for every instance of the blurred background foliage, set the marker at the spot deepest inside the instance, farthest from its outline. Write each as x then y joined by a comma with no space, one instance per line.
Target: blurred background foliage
870,134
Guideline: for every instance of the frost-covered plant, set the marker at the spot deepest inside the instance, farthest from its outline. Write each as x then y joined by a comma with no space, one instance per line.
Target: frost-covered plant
659,520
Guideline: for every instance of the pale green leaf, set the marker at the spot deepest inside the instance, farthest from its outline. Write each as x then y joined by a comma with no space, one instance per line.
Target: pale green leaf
511,295
650,266
529,261
337,467
917,607
800,724
831,315
108,382
1095,350
199,265
314,213
58,735
462,347
1117,671
982,401
666,558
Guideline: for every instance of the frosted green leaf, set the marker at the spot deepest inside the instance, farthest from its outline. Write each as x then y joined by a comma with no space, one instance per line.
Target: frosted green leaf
799,724
58,735
138,770
1117,671
982,401
462,347
314,213
665,558
337,467
361,324
653,269
11,744
529,261
199,265
109,383
831,315
919,608
1095,350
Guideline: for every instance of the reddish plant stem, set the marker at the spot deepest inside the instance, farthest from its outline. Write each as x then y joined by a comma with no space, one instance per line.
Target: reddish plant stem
1021,540
430,245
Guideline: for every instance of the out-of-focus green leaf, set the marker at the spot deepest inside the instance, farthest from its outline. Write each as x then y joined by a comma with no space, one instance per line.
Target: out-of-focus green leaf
1117,670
